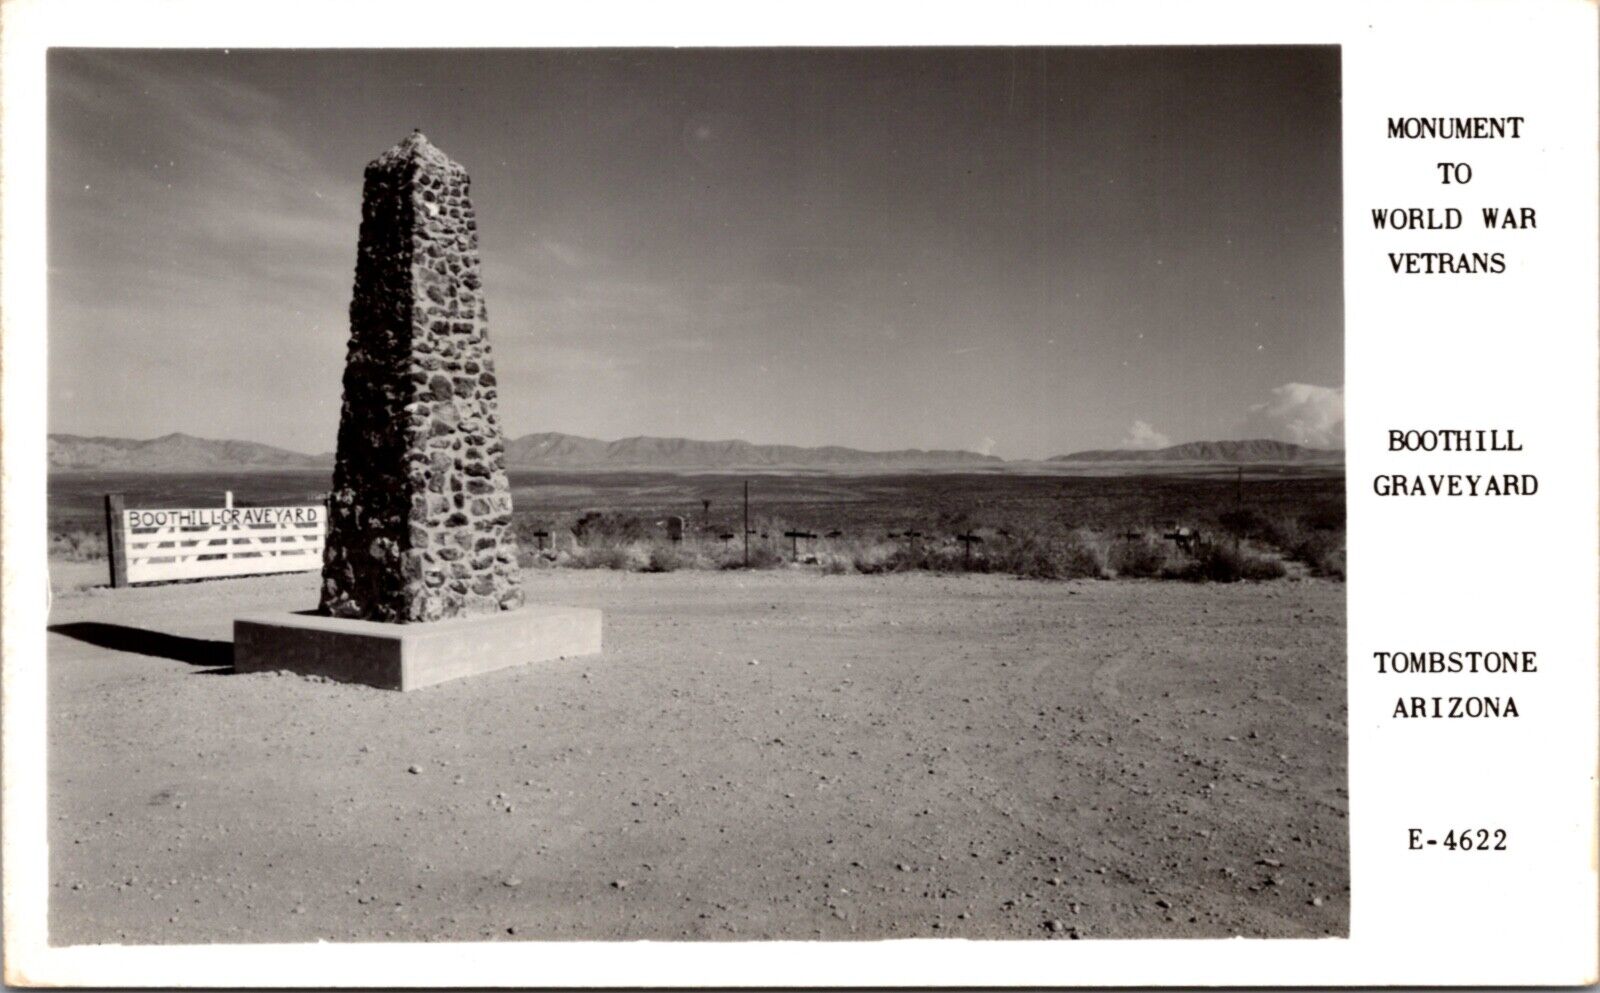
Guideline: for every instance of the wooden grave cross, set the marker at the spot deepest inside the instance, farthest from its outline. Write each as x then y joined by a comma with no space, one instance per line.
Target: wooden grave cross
794,537
967,541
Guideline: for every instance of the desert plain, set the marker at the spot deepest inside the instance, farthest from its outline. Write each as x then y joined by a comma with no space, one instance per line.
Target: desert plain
775,754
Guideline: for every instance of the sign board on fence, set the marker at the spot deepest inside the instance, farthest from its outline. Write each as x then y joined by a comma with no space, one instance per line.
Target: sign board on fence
195,543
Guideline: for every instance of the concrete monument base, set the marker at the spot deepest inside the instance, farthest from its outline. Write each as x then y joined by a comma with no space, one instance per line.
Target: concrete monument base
409,656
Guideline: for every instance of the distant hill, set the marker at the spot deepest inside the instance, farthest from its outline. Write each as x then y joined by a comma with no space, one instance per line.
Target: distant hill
546,450
173,453
551,450
1257,450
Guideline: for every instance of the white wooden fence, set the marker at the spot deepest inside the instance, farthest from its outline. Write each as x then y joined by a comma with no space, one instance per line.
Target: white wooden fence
196,543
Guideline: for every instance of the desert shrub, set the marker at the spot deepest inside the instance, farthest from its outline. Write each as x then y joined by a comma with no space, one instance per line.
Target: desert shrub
1029,559
1032,557
1224,562
1321,551
603,554
841,555
1139,559
926,557
1020,555
78,545
664,556
1326,561
833,565
1080,558
1281,532
594,526
1314,536
1321,548
871,560
762,556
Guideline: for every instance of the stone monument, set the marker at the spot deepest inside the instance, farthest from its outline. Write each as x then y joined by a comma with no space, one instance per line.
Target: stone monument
419,522
420,558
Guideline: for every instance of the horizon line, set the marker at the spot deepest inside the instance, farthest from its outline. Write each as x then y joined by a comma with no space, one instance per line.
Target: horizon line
756,444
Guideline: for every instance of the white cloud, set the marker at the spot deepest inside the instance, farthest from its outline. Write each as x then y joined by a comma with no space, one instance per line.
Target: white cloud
1300,413
1143,436
987,448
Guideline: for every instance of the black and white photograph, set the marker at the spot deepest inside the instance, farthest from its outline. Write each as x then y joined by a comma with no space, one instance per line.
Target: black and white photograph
856,496
699,495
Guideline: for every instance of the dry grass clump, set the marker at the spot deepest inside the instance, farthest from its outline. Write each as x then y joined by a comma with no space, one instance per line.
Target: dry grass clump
663,557
78,545
927,557
762,556
605,553
1068,556
1321,551
858,555
1224,562
1140,558
1314,537
1073,556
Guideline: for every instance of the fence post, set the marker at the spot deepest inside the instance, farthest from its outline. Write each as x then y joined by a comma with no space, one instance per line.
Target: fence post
116,548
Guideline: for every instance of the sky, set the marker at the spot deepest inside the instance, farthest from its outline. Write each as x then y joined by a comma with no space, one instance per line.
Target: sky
1024,252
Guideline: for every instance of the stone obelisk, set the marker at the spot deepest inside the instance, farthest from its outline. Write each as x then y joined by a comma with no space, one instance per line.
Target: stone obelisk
420,515
420,580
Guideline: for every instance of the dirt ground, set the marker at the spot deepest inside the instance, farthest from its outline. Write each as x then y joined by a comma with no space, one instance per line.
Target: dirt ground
755,755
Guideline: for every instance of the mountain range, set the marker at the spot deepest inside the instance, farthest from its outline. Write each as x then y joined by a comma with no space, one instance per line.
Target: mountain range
173,453
553,450
1254,450
545,450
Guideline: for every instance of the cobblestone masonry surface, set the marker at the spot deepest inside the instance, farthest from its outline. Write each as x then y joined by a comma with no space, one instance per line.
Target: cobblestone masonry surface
420,514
